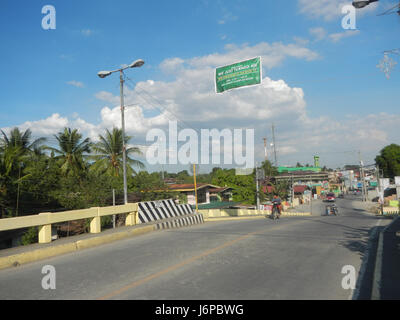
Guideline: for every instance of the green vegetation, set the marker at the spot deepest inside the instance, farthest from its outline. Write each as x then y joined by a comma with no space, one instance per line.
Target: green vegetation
77,173
389,160
74,174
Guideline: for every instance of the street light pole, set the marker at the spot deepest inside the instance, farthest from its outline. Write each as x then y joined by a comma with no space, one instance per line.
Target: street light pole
103,74
121,81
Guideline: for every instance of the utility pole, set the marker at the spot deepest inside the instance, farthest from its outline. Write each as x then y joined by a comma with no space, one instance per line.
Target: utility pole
103,74
380,192
292,195
114,216
362,177
121,81
257,188
311,195
265,149
195,186
273,141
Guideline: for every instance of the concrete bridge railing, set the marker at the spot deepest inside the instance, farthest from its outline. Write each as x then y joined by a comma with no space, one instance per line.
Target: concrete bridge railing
46,219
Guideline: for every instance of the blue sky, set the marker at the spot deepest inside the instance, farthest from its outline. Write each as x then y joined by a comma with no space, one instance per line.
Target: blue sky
344,102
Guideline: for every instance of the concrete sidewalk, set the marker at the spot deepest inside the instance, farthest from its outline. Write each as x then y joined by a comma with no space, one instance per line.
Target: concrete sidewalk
24,254
388,272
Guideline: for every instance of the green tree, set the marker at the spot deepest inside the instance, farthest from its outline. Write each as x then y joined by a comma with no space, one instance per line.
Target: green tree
71,151
7,160
244,186
108,157
15,151
269,169
20,140
389,160
149,186
42,180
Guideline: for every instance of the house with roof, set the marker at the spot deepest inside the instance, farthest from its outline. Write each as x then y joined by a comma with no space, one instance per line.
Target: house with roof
203,192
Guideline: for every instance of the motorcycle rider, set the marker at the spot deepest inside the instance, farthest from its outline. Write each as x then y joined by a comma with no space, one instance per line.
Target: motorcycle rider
277,201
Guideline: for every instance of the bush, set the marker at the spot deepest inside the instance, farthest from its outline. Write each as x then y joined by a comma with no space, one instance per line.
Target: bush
30,236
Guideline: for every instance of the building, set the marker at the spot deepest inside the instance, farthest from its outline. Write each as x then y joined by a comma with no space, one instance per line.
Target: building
303,176
203,192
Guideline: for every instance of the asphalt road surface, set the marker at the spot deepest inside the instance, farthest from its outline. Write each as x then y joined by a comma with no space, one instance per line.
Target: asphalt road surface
291,258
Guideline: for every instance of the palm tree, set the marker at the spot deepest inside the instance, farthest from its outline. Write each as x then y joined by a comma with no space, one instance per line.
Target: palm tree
108,158
20,142
71,151
15,151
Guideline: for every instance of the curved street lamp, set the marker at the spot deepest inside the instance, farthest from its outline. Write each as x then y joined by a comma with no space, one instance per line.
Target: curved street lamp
103,74
362,3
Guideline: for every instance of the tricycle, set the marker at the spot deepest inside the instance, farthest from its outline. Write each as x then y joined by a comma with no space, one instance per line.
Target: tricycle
331,209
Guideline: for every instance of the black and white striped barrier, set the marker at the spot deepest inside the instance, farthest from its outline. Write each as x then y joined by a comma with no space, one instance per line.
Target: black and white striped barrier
169,214
180,222
150,211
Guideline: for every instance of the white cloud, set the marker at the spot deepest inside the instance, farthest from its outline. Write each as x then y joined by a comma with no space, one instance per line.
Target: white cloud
227,17
77,84
190,97
272,54
87,32
329,10
335,37
318,33
172,65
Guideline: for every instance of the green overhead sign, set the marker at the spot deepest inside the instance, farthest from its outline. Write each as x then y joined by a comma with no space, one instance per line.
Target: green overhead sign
245,73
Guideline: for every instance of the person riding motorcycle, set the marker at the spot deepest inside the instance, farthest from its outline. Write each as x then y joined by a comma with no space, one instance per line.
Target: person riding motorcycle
276,201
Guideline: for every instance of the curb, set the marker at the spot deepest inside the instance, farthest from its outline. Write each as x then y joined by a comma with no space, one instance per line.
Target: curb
299,214
376,280
233,218
185,221
285,214
44,253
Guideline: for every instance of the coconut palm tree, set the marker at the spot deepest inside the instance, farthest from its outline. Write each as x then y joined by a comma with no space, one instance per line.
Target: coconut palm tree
15,152
72,151
108,157
20,139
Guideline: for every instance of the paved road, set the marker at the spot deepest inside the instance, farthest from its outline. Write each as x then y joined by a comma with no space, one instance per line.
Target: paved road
292,258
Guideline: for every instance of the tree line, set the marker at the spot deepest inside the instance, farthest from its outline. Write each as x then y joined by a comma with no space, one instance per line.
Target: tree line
76,173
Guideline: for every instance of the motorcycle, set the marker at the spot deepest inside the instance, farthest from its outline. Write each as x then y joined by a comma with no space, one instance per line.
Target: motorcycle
275,212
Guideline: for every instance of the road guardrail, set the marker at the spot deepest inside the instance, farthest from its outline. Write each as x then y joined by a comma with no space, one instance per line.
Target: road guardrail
46,219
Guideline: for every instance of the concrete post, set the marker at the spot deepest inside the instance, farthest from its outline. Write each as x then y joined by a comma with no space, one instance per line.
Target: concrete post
95,224
130,219
45,231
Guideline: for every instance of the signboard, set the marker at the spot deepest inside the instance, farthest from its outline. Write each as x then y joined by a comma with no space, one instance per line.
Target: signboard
384,183
245,73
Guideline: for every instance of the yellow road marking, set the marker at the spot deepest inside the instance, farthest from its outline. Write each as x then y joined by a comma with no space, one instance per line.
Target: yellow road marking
183,263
